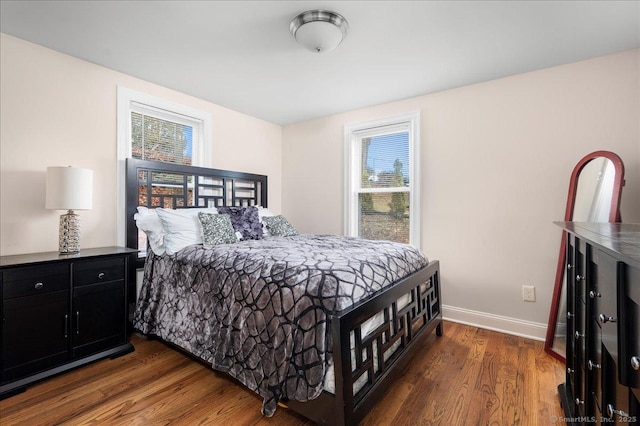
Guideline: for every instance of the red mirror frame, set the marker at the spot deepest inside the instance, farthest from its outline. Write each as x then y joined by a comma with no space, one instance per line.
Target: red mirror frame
614,216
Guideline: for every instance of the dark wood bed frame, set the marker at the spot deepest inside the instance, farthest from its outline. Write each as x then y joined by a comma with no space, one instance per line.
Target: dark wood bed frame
410,326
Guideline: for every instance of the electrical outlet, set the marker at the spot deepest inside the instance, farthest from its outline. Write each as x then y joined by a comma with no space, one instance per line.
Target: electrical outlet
528,293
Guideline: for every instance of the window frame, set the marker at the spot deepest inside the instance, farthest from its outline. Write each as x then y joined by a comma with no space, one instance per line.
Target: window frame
353,135
129,101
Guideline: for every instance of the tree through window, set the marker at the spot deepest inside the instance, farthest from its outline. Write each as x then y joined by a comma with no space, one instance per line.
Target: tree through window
153,138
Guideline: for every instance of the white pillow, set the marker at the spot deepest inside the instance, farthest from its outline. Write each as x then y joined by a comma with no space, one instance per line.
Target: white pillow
182,227
262,212
147,220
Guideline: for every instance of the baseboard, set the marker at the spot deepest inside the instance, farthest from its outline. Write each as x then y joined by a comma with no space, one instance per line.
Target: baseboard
517,327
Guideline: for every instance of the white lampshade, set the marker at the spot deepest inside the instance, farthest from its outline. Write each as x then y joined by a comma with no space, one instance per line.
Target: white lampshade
319,30
69,188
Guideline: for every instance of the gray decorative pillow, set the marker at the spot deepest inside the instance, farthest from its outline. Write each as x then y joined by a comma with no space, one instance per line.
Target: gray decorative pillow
244,220
216,229
278,226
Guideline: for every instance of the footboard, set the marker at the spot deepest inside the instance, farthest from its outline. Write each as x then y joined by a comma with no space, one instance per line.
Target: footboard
367,364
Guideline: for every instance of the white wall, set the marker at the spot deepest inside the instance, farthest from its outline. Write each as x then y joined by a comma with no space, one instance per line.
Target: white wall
496,162
58,110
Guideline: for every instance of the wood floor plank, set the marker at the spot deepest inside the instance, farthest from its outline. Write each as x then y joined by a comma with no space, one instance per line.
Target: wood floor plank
165,391
469,376
448,362
390,405
546,386
467,381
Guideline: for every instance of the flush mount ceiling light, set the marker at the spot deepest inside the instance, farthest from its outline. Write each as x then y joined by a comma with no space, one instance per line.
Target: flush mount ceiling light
319,30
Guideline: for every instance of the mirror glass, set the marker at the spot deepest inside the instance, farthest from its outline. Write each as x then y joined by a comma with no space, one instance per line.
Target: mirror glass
594,196
594,192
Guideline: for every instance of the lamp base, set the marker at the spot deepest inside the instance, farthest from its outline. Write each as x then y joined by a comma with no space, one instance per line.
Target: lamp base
69,236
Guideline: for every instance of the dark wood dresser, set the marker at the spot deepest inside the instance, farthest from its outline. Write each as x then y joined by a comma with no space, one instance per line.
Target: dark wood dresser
60,312
603,324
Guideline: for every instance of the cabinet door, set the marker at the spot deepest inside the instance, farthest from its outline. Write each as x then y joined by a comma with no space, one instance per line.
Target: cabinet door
98,317
34,334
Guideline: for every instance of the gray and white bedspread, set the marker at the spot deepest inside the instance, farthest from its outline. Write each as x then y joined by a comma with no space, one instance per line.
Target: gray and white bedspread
258,310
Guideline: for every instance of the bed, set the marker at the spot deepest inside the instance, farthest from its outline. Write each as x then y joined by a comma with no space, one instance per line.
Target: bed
317,324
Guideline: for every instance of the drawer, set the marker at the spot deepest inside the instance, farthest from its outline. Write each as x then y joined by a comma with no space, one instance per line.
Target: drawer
99,270
31,280
594,364
603,296
580,270
598,416
581,331
580,392
630,356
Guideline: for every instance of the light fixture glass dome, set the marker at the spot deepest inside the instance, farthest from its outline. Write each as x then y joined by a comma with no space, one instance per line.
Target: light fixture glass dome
319,30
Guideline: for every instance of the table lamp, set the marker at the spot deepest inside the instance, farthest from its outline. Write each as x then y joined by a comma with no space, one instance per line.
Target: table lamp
69,188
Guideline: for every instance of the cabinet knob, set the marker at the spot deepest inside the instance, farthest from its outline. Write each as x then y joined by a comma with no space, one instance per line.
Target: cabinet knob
605,319
579,277
569,266
635,362
578,335
593,294
611,410
39,286
592,365
101,275
570,315
579,401
570,370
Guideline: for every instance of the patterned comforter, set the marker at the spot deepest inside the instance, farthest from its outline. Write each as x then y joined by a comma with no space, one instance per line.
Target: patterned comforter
258,310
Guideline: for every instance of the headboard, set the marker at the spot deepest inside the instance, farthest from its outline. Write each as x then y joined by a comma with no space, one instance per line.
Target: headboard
156,184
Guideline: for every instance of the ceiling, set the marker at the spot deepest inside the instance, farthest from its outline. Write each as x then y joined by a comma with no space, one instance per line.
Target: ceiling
240,55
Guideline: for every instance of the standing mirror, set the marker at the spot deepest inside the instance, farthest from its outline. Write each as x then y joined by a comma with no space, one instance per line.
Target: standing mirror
594,196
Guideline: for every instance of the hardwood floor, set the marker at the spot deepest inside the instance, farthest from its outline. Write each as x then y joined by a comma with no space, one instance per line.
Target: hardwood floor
469,376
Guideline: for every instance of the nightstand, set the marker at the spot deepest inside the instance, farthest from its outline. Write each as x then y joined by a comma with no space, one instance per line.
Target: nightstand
60,312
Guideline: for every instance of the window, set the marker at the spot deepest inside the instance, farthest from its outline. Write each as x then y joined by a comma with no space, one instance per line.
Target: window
150,128
168,139
381,194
